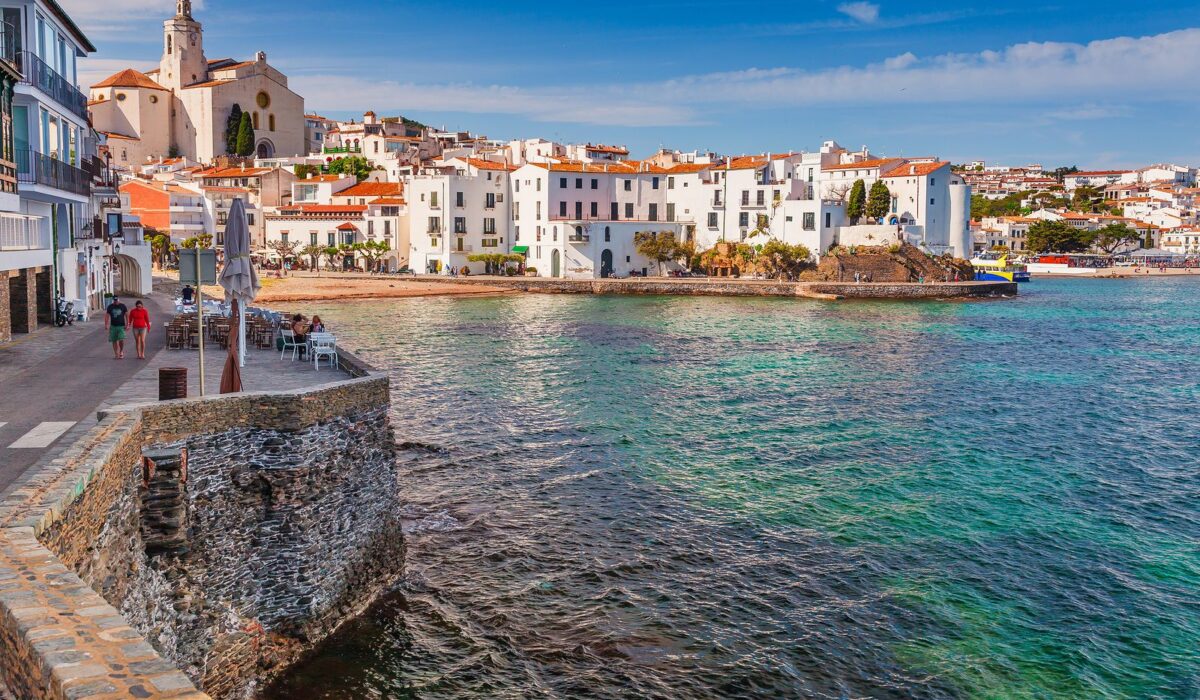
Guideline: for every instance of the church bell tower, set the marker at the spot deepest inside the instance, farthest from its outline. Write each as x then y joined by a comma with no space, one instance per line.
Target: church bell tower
183,62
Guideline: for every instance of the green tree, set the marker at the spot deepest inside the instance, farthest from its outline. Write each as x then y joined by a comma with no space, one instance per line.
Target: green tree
857,204
160,247
232,125
1057,237
660,246
313,252
357,166
303,170
777,259
373,251
286,249
204,240
1086,198
245,137
1110,238
333,255
880,201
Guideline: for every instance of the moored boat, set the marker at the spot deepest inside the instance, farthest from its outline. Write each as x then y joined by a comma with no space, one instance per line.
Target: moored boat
999,270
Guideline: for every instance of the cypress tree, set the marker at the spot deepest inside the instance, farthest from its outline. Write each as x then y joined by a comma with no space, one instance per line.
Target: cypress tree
880,201
232,125
857,205
245,139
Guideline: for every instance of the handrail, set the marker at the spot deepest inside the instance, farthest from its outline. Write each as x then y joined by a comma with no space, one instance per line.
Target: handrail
36,72
35,168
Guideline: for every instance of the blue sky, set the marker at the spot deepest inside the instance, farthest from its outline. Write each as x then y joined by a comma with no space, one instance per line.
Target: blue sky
1097,83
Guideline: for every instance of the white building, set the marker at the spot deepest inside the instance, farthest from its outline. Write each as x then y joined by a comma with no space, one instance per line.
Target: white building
459,208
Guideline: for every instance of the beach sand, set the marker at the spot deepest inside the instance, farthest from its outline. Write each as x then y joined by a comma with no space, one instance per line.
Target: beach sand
332,286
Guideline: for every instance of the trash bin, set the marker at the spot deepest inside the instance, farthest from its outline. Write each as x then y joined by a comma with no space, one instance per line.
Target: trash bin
172,383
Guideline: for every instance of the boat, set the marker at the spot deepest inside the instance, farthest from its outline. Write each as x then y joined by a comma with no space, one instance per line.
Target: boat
999,270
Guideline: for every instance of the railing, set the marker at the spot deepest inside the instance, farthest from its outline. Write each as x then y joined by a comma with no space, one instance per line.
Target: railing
36,72
341,149
8,44
19,232
35,168
584,238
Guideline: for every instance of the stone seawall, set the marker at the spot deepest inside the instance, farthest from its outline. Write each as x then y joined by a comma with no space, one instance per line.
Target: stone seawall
743,288
270,522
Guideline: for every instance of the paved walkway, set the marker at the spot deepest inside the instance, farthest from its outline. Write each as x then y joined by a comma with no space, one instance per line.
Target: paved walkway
53,380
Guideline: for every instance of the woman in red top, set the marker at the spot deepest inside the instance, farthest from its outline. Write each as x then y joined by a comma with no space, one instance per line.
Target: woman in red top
139,318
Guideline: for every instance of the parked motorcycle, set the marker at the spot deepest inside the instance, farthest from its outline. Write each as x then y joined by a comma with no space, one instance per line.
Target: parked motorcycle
64,313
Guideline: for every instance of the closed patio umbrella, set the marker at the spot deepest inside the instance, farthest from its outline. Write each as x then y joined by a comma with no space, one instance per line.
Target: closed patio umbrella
241,287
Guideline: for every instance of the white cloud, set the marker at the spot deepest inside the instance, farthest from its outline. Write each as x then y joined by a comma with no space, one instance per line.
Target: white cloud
121,19
865,12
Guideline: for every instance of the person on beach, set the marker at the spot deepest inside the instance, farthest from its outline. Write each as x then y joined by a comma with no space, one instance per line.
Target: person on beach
139,320
114,322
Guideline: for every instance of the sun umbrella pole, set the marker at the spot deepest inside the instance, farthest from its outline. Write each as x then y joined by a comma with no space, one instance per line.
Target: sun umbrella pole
200,317
241,336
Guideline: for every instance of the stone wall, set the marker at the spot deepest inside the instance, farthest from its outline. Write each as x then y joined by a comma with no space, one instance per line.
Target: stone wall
23,301
5,309
742,287
290,524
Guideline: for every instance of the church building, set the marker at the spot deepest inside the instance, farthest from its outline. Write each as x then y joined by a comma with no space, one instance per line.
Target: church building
181,108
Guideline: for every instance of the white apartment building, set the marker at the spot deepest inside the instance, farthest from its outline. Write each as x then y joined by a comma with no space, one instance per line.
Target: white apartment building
1181,241
1099,179
459,208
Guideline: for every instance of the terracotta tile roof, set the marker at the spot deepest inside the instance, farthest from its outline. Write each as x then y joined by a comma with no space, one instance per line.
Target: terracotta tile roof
233,172
210,83
347,227
681,168
129,78
371,189
324,178
488,164
387,200
324,209
904,169
863,165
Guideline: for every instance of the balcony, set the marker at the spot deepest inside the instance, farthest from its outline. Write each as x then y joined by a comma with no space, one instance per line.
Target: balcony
186,209
341,149
579,238
35,168
18,232
463,249
35,72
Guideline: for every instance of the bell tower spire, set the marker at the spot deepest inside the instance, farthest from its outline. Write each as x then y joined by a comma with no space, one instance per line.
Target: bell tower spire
183,62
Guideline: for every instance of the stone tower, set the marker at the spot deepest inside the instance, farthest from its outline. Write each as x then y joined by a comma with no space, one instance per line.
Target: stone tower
183,62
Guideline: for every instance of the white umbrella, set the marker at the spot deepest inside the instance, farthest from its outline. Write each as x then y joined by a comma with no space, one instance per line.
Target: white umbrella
238,276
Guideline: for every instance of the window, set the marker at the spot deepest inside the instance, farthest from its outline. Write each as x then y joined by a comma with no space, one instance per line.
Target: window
744,219
775,195
578,210
762,222
489,200
579,183
670,183
516,185
283,236
489,225
607,234
554,233
562,182
654,212
516,210
810,221
615,213
595,183
629,185
460,224
717,198
654,183
538,182
256,121
671,211
312,237
810,175
895,201
263,100
516,233
745,198
433,199
459,198
562,208
760,198
271,127
595,209
331,238
932,181
712,219
539,209
828,220
931,201
435,224
628,211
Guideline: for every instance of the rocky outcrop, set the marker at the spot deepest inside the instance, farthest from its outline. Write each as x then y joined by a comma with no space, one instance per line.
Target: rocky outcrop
896,263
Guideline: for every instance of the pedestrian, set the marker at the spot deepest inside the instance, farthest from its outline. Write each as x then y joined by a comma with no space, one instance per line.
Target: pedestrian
114,321
139,320
187,294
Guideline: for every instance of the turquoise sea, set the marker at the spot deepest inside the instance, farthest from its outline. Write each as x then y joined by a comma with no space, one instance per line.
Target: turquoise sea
658,497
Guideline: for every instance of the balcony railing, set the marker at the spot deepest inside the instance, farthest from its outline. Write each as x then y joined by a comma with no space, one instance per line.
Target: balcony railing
35,168
341,149
36,72
8,44
19,232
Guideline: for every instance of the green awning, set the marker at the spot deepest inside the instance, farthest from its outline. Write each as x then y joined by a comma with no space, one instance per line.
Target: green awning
522,249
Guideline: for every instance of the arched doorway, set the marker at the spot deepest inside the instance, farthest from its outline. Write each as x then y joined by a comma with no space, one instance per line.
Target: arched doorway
555,264
266,149
606,268
127,276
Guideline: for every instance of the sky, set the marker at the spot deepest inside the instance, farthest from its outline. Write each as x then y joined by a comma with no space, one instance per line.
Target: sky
1098,84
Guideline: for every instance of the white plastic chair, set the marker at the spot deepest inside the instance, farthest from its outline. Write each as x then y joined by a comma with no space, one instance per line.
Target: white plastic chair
289,343
323,345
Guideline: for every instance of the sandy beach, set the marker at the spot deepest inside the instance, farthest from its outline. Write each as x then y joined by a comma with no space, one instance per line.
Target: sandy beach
331,286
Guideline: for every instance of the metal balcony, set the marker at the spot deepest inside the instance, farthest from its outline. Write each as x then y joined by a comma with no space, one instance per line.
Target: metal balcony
35,168
36,72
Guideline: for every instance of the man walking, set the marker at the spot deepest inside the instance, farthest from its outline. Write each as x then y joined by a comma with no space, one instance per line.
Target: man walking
114,320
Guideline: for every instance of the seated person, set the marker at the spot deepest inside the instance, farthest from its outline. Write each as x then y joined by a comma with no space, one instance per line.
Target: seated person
187,293
300,329
317,326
